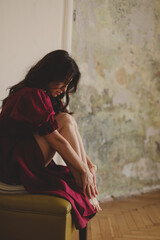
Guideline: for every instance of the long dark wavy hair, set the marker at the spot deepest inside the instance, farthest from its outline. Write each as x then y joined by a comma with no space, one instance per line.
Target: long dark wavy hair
57,66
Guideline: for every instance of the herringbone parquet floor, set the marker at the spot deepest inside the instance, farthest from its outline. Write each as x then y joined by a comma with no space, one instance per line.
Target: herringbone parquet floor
134,218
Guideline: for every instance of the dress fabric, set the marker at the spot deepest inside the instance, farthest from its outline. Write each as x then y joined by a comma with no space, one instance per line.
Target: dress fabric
21,160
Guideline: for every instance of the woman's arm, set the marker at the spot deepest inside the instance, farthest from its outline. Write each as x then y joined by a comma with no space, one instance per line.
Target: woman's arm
62,146
91,165
93,168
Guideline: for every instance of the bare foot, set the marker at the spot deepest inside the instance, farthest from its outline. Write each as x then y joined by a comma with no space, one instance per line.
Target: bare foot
94,202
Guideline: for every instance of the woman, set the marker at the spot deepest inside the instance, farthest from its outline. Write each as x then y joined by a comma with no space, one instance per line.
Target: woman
35,124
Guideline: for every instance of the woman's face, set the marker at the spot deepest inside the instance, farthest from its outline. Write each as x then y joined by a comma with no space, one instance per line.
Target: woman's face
56,89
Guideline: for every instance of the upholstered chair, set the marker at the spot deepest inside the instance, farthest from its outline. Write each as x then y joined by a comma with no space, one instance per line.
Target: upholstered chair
25,216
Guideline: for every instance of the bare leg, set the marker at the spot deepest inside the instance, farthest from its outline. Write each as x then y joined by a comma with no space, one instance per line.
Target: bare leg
93,200
68,129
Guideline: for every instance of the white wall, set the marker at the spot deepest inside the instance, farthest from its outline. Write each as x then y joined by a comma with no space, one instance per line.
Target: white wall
29,29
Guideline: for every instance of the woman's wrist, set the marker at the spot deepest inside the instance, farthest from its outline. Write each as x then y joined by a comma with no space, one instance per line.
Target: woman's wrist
84,168
93,167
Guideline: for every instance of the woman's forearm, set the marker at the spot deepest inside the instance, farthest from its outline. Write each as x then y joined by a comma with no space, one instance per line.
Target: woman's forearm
84,177
91,165
71,157
62,146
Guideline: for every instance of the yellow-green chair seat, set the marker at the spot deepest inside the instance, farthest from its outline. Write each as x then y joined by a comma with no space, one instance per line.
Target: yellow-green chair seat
35,217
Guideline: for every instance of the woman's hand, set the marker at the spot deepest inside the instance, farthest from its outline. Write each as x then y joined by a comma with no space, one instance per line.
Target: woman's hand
88,183
84,180
93,170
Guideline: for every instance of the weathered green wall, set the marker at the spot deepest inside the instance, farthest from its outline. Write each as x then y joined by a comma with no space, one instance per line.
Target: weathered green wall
117,46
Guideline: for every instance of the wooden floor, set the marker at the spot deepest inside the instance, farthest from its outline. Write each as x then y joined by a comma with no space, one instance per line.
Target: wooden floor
134,218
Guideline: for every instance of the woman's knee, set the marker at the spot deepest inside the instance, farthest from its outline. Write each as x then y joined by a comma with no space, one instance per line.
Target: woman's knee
65,119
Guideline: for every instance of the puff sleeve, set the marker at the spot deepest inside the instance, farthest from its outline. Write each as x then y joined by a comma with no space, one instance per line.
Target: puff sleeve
33,109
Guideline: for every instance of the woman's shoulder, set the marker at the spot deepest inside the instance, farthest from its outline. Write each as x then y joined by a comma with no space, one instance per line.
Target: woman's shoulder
31,92
29,96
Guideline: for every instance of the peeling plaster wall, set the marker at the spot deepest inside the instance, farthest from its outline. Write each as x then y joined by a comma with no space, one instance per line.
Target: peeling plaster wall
117,106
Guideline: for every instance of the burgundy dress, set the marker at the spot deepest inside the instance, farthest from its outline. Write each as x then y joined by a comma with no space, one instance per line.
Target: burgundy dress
21,160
